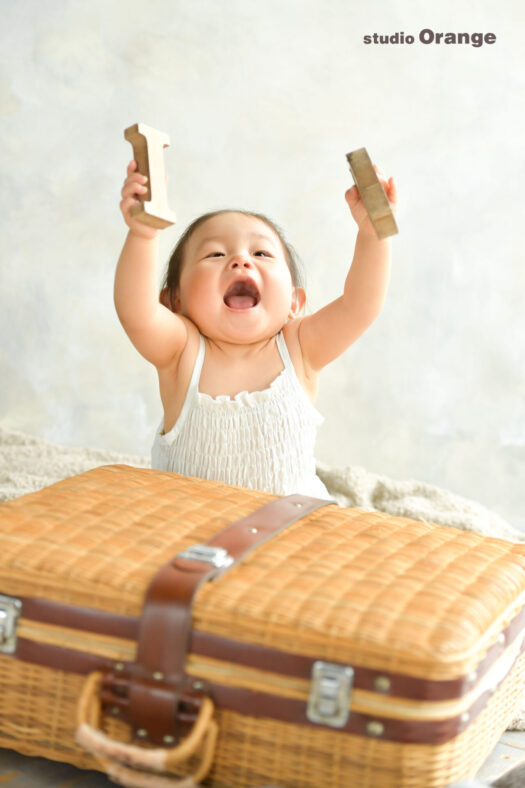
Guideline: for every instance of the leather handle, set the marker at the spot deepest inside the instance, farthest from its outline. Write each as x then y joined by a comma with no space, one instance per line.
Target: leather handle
157,676
137,767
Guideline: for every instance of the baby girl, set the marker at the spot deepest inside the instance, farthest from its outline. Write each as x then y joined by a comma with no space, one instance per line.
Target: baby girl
237,361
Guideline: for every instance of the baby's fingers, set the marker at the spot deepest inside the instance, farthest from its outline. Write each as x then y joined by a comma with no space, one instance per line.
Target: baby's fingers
391,191
352,197
388,185
134,185
127,204
381,176
133,175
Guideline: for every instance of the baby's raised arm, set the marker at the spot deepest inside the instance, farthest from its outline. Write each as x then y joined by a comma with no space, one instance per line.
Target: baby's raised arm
157,333
326,334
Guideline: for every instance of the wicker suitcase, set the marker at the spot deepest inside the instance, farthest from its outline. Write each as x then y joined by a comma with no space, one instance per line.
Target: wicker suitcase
304,645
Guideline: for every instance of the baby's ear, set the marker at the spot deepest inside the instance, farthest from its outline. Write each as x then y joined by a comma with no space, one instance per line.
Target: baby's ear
299,300
167,300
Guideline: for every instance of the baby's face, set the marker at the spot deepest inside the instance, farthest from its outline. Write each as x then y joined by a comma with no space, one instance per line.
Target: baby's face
235,284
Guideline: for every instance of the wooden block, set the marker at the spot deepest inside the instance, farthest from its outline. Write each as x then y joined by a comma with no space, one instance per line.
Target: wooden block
148,144
372,193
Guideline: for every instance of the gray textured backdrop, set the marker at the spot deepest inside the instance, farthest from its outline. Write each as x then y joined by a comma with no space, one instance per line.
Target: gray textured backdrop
262,102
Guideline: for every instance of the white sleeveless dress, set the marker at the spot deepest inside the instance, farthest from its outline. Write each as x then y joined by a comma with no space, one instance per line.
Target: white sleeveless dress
263,440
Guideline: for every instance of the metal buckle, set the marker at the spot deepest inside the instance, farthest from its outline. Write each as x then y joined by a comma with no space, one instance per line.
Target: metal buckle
10,609
216,556
329,701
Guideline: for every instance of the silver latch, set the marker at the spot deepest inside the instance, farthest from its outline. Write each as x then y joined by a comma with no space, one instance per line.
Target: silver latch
9,611
216,556
329,701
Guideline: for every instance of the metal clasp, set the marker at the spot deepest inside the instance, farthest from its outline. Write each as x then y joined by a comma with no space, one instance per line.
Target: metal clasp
330,695
10,609
216,556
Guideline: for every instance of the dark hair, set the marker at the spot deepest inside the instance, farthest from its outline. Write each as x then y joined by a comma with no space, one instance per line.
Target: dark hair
171,278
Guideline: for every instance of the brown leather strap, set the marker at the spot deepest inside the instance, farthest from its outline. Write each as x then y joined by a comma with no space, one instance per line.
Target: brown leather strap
157,676
60,658
258,704
251,655
84,619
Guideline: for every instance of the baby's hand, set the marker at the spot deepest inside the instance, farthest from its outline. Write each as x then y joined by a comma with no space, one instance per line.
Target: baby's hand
357,207
134,187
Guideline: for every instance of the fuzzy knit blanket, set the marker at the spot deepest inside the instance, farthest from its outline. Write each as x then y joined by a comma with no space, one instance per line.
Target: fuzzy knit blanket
28,463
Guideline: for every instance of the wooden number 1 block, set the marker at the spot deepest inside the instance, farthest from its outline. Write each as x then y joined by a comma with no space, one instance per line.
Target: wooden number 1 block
372,193
148,144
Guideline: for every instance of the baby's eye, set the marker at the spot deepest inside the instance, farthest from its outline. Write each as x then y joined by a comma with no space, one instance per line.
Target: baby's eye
262,252
215,254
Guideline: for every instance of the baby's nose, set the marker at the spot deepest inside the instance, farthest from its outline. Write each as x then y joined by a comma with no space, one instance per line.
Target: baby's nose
240,261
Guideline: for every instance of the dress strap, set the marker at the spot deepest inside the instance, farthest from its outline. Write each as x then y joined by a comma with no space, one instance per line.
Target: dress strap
283,350
190,394
197,368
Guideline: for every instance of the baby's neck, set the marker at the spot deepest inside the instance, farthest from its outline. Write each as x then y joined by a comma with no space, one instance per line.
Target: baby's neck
230,368
240,350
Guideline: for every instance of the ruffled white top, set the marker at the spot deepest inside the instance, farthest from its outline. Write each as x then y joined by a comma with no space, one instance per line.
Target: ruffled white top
263,440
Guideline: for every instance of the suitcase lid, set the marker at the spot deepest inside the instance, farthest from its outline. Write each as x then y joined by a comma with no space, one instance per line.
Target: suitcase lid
341,585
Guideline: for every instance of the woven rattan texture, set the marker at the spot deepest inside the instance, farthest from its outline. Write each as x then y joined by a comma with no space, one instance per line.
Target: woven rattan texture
38,705
340,584
98,538
395,594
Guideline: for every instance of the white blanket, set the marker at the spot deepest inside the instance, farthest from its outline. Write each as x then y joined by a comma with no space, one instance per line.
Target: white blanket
28,463
357,487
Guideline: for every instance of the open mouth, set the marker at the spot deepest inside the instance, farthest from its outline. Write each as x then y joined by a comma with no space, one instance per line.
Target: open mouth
242,294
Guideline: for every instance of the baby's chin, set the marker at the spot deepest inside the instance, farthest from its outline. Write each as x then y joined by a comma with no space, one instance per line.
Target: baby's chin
242,327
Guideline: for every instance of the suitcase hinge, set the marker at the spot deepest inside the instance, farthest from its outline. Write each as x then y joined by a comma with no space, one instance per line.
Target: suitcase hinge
330,696
9,611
